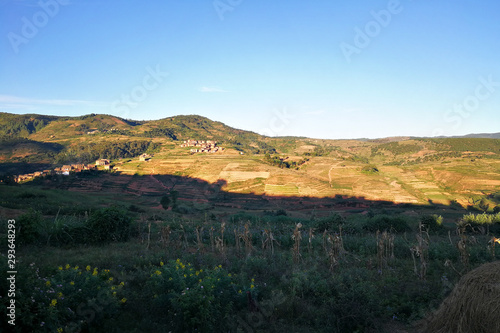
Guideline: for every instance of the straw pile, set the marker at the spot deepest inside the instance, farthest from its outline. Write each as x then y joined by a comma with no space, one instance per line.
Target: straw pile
473,305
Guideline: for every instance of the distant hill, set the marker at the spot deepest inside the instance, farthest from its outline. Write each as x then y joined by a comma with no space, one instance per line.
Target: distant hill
83,138
483,136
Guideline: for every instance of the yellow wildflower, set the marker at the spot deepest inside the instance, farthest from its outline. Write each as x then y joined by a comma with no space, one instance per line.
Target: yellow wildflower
67,266
60,268
123,300
72,283
53,302
76,268
59,295
114,293
110,279
59,330
87,268
252,286
161,263
47,283
95,272
121,284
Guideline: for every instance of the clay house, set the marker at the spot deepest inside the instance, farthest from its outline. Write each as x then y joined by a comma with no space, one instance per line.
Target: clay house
78,167
102,161
66,168
145,157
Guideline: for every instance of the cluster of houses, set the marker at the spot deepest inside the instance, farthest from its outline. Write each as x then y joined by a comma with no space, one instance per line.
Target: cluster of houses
64,170
95,131
207,146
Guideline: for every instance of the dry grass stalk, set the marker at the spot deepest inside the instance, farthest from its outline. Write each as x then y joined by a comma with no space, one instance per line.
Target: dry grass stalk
247,239
212,240
199,237
149,236
421,251
473,305
491,245
165,235
182,238
311,236
268,240
385,248
464,252
296,246
325,242
237,240
219,242
334,248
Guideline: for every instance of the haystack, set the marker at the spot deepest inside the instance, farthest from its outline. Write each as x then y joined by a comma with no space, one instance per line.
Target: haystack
473,305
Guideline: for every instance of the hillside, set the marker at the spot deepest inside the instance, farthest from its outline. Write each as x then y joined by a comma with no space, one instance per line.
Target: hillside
401,170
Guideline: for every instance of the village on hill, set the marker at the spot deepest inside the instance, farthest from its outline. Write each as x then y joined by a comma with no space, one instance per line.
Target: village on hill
207,146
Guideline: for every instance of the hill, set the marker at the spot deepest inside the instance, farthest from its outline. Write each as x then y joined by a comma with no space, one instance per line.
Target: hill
401,170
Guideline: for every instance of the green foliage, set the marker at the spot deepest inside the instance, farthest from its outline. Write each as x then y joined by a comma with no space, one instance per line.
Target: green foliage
23,125
89,152
432,222
330,223
466,144
370,169
203,300
282,162
109,224
165,202
396,148
71,299
386,222
28,226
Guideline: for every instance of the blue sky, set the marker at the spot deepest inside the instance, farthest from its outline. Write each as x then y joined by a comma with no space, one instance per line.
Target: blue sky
322,69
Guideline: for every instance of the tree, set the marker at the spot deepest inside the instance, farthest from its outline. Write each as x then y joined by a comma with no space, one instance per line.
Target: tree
174,195
165,202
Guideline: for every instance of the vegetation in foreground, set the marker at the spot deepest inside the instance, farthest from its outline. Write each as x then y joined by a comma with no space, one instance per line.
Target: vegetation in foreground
107,271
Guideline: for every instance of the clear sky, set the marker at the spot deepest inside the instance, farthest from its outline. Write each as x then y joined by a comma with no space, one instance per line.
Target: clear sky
322,69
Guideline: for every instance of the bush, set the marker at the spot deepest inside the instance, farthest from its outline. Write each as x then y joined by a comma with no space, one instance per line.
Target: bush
204,300
109,224
29,225
384,222
330,223
74,299
432,222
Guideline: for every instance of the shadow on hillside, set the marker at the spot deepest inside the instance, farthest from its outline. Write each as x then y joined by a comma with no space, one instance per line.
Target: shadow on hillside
197,195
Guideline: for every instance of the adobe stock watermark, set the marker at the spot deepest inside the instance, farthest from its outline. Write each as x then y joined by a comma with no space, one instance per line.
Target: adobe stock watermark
151,81
278,123
30,27
373,28
223,6
471,103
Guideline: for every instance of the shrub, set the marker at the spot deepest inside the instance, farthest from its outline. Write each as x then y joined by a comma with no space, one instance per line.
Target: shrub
29,225
330,223
109,224
202,300
74,299
384,222
432,222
